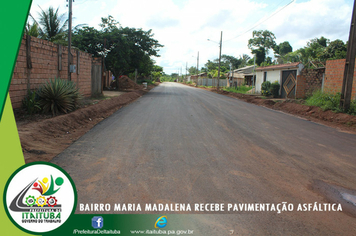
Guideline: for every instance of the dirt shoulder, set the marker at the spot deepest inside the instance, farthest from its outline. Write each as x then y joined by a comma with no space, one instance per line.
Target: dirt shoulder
341,121
43,139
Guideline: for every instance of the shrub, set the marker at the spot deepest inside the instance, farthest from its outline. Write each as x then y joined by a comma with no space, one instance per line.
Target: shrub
265,88
58,96
268,88
266,85
327,101
31,102
274,89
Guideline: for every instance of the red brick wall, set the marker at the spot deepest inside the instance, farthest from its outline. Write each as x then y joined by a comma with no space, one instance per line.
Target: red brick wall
44,57
309,81
334,75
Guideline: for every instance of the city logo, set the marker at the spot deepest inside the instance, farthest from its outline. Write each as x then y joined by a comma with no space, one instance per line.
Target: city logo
39,197
97,222
161,222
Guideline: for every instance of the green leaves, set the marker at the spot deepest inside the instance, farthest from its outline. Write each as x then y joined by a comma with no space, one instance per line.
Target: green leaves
52,24
124,49
31,103
58,96
262,38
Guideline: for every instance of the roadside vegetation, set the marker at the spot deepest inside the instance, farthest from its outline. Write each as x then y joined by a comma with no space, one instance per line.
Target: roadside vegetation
239,89
55,96
328,101
268,88
167,78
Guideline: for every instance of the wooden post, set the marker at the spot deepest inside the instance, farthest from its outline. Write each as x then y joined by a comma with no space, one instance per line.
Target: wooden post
217,87
69,38
60,52
28,61
346,90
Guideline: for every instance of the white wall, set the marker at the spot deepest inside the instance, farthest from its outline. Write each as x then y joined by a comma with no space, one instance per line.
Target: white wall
272,76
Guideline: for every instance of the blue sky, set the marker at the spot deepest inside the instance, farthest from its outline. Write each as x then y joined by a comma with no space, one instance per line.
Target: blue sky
183,26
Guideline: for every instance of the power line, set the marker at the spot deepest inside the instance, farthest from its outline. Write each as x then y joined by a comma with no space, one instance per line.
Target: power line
262,21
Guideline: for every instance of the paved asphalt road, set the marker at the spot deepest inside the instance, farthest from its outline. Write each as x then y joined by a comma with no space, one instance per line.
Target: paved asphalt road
179,144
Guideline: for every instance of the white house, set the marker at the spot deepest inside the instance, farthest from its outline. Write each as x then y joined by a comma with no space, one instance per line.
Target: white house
284,74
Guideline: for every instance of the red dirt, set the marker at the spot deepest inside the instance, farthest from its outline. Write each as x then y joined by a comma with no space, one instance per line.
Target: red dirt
341,121
125,83
44,139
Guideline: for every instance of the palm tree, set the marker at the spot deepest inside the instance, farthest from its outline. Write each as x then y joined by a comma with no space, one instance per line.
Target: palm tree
32,30
52,25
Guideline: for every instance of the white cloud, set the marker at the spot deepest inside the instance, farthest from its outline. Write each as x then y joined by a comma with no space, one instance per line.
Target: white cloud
183,27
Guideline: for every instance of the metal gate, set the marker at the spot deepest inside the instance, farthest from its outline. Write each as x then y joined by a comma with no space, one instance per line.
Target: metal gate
289,81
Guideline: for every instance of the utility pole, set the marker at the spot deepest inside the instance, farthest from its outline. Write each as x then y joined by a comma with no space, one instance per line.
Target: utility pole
198,63
69,38
254,73
346,90
186,70
231,75
217,87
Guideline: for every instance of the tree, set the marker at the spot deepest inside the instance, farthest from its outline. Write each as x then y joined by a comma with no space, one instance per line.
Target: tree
260,55
262,38
192,70
32,30
284,48
314,49
124,49
52,25
227,60
89,40
335,50
281,50
244,60
157,72
260,43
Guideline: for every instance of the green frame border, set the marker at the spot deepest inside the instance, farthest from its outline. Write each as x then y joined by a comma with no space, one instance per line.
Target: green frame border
38,163
6,82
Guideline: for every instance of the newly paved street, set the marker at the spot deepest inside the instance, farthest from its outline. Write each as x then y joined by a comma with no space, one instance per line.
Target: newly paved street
179,144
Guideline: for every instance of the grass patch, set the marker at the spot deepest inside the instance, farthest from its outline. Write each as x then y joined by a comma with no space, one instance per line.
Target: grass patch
327,101
203,86
239,89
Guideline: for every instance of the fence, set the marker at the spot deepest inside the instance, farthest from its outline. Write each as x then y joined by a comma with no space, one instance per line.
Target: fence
209,82
40,60
309,81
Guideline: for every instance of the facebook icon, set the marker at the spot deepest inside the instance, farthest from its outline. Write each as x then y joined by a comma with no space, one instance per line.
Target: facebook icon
97,222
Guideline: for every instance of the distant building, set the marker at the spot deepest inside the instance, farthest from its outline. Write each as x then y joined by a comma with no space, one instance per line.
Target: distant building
244,75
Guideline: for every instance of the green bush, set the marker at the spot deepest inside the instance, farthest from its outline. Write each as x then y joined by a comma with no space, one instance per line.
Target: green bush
58,96
266,86
31,102
327,101
274,89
